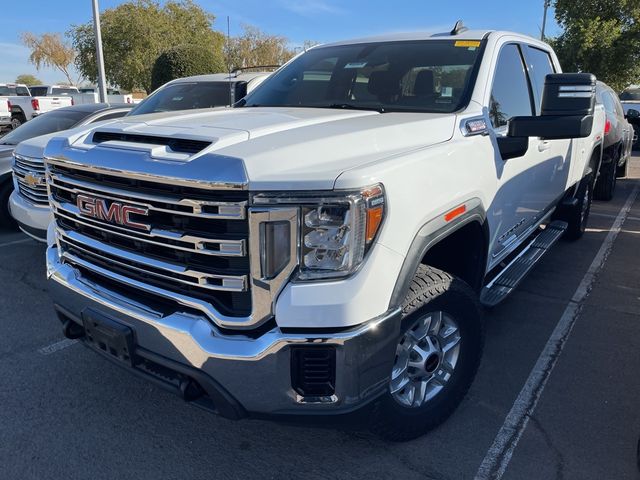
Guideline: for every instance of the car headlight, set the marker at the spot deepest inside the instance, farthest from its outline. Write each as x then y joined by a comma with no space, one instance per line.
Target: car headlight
336,229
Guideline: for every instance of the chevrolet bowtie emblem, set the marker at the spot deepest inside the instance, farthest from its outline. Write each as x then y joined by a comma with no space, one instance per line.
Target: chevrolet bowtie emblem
33,180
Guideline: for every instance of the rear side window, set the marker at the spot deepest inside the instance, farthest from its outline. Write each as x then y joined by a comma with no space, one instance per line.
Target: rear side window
510,91
22,92
609,104
109,116
540,65
63,91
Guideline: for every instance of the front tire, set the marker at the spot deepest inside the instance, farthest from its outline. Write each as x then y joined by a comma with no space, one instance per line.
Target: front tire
437,356
606,183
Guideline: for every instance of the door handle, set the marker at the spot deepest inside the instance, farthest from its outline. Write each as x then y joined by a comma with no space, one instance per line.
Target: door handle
544,145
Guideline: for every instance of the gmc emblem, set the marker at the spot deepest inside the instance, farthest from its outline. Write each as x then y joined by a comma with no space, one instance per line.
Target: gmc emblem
116,212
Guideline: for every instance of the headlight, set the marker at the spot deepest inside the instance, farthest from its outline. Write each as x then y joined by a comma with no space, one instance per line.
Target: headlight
336,229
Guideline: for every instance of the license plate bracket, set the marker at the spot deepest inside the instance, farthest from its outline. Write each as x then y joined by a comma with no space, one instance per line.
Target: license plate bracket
109,337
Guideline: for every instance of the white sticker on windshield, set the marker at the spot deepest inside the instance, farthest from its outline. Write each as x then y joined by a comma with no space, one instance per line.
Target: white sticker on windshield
446,91
356,65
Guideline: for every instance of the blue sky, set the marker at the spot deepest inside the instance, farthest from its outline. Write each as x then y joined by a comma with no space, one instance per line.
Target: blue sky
299,20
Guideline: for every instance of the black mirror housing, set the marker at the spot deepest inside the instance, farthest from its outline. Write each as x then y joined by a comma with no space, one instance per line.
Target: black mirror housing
568,103
569,94
551,127
632,113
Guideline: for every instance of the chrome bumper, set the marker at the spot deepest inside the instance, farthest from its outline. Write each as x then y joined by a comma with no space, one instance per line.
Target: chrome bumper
255,372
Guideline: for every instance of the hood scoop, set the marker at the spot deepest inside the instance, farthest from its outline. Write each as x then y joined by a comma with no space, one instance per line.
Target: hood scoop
177,145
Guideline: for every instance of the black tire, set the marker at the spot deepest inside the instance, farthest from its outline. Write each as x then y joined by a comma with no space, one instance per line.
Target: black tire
432,291
17,120
622,170
606,183
636,131
6,220
577,216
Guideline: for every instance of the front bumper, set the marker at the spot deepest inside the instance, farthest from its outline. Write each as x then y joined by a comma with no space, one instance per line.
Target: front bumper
5,121
32,219
243,374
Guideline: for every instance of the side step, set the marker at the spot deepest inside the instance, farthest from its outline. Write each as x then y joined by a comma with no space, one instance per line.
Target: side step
508,279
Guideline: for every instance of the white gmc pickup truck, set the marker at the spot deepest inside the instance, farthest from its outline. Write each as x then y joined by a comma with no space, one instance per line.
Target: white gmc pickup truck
326,246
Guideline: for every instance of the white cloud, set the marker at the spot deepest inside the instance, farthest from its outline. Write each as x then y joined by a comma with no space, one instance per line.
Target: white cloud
310,7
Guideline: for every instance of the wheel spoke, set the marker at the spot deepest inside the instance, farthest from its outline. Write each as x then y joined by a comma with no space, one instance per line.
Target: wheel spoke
398,384
421,330
450,342
436,322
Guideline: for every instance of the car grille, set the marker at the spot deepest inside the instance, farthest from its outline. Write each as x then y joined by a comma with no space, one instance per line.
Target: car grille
195,250
30,175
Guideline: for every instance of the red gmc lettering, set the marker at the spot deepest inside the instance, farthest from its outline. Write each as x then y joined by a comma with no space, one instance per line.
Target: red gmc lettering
116,213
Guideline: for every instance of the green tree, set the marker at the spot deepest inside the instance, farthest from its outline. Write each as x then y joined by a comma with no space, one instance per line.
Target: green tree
49,50
255,47
600,37
28,80
185,61
135,33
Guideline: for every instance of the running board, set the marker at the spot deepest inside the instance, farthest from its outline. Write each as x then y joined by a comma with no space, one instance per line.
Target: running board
508,279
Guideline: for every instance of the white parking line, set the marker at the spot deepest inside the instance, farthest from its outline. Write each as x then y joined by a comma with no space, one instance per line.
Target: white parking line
15,242
57,346
499,454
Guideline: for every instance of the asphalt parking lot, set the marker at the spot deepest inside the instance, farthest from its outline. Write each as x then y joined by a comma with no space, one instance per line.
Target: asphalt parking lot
556,395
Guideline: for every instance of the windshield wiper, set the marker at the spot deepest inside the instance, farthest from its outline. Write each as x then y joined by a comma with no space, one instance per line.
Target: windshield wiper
351,106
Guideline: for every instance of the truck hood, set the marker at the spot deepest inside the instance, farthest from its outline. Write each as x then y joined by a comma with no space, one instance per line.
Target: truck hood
34,147
283,148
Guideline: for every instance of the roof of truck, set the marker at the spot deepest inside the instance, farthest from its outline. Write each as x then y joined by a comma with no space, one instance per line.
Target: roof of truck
424,35
223,77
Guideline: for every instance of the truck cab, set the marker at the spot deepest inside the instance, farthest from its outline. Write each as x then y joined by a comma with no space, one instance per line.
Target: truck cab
328,242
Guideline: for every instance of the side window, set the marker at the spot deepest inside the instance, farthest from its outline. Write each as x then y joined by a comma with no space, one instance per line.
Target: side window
109,116
510,90
609,105
540,65
22,92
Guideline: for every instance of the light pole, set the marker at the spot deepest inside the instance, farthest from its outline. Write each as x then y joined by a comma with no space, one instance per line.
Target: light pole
547,4
102,84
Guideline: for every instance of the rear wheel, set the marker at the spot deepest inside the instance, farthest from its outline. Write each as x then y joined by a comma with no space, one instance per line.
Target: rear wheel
577,215
606,184
17,120
436,359
636,137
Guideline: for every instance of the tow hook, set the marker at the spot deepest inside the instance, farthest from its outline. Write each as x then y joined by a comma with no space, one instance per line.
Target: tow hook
72,330
190,389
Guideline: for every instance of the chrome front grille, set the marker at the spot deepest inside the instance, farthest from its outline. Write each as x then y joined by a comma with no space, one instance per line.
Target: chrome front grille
194,252
30,175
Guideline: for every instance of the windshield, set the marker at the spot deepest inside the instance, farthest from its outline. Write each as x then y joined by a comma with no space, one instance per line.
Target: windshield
50,122
630,95
425,76
188,96
63,91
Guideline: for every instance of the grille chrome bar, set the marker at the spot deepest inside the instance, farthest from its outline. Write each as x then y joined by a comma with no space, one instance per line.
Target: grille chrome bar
147,265
226,248
30,164
226,210
30,169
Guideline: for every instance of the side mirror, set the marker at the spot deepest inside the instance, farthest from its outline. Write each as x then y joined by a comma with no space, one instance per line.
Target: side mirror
632,113
512,147
568,104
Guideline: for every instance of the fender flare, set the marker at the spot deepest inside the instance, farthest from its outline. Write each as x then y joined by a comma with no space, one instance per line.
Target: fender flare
429,235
